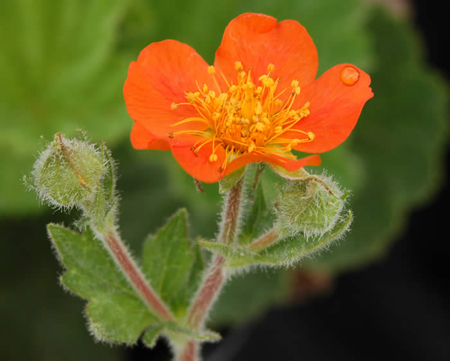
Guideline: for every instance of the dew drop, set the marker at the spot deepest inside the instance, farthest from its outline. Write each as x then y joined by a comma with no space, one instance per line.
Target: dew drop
349,75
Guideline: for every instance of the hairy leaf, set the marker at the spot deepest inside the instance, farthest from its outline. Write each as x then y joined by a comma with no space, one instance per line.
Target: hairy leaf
115,312
173,263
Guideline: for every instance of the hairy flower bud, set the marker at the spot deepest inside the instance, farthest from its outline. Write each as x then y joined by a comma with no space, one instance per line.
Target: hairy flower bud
312,205
68,172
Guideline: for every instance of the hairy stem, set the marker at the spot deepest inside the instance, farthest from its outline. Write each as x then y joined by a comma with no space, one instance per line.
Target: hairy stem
209,290
130,269
230,215
266,240
190,352
215,277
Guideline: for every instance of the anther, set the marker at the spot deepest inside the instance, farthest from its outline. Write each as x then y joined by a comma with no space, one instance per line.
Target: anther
173,106
267,81
270,68
311,136
232,89
213,157
205,88
238,66
211,70
261,127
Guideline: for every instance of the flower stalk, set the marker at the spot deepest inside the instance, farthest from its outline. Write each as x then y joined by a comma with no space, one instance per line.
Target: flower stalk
215,276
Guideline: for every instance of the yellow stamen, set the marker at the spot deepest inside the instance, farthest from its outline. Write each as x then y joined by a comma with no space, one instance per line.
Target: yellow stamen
247,118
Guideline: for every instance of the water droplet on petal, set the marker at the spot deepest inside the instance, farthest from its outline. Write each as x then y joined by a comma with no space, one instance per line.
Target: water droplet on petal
349,75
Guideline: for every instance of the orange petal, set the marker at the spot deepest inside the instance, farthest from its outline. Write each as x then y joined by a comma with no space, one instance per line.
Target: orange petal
256,40
198,165
142,139
288,164
337,99
160,77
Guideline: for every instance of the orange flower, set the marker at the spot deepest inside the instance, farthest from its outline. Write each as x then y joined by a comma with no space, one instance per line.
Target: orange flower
257,103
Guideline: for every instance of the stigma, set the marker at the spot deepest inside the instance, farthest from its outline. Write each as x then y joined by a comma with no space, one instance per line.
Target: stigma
246,117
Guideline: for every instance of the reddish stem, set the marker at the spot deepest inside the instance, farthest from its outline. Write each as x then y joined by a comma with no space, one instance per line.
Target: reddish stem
230,218
189,352
265,240
208,293
215,278
134,275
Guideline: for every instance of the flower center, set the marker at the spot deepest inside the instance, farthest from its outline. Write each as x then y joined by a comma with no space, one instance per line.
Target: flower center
247,117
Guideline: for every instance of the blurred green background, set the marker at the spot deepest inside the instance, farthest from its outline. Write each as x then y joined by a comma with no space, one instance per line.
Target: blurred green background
62,67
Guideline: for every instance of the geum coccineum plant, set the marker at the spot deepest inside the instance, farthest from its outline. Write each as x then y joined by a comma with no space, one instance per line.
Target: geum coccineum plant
256,104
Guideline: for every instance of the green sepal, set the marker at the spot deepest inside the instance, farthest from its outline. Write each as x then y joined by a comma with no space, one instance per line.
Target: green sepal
173,264
109,178
228,182
285,252
114,311
259,218
295,175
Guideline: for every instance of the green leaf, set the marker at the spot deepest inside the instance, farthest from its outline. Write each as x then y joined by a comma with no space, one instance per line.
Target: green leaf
286,252
114,310
173,264
152,333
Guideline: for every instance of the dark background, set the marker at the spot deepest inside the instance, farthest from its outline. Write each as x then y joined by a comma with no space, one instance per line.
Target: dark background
396,309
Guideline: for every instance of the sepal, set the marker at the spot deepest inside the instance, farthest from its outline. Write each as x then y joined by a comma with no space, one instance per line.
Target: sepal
229,181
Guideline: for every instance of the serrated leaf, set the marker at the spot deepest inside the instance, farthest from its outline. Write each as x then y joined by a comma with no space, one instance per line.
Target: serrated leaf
173,263
152,333
115,312
285,252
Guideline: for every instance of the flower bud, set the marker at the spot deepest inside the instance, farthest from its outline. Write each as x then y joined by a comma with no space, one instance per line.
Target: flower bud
68,172
311,205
